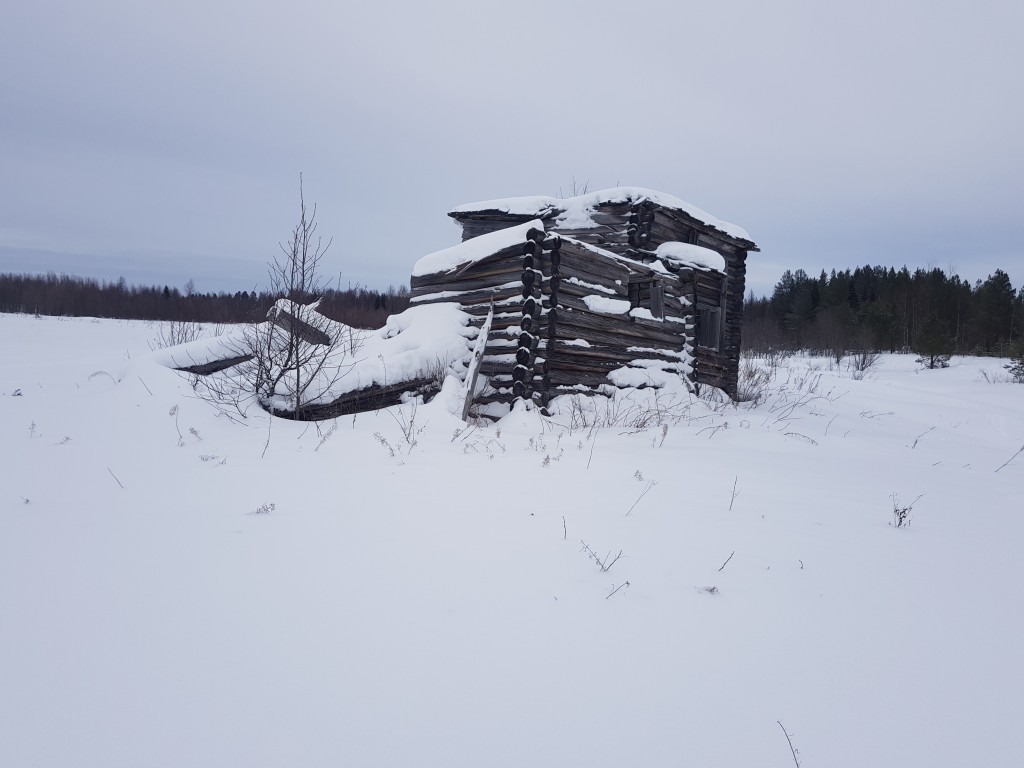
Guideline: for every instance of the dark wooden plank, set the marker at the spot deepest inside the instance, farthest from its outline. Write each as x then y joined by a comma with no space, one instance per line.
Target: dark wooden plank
205,369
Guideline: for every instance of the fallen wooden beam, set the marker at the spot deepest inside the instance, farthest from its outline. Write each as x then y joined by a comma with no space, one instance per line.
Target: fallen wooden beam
287,322
205,369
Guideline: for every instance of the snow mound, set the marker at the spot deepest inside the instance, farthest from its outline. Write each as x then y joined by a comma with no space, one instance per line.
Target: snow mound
690,255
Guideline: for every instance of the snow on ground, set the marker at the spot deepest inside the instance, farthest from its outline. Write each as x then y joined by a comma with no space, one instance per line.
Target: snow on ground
436,607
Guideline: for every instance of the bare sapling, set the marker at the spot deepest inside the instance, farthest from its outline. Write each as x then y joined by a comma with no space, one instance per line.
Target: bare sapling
299,354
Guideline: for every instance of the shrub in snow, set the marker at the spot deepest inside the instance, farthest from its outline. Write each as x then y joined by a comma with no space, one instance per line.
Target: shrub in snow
861,362
752,386
901,512
176,332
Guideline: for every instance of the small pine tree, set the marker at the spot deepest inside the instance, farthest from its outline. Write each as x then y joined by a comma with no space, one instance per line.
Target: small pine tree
933,343
1016,369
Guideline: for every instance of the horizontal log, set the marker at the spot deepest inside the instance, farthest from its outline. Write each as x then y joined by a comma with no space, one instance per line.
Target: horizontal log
503,260
510,296
469,284
631,331
369,399
570,331
205,369
561,380
563,352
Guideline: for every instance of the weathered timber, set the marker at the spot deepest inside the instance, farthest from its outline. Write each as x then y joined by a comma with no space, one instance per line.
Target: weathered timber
568,333
494,264
469,284
630,332
615,354
578,258
205,369
369,399
479,349
298,327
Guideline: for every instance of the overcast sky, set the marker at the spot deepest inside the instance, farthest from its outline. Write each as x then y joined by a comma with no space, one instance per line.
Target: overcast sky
163,141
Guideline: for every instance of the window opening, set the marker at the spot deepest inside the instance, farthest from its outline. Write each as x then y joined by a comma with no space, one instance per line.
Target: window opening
648,294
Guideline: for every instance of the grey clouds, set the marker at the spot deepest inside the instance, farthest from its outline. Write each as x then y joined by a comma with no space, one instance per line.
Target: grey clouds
164,141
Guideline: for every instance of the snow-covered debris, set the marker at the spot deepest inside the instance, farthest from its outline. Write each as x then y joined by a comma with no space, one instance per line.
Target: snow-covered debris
421,342
201,352
413,344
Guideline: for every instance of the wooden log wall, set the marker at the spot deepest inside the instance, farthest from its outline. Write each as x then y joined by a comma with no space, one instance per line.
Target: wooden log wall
588,345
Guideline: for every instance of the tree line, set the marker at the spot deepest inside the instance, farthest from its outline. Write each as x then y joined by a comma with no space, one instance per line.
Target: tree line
868,308
884,309
67,295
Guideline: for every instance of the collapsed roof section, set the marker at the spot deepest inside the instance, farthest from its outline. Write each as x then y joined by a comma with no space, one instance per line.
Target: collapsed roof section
596,210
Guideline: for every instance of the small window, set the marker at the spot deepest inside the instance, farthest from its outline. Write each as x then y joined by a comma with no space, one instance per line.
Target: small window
709,327
648,294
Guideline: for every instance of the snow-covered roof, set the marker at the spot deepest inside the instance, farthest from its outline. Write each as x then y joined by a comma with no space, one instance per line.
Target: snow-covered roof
575,212
690,255
475,249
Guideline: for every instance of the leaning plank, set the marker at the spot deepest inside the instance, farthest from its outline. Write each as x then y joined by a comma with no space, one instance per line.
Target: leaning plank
474,363
286,321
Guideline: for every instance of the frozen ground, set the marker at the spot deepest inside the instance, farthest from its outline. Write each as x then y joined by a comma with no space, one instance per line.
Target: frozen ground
435,607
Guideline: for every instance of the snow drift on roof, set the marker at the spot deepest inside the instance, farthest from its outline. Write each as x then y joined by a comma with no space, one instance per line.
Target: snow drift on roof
474,249
574,212
691,255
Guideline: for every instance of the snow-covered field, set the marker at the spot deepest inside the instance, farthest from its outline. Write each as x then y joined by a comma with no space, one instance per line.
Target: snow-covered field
177,591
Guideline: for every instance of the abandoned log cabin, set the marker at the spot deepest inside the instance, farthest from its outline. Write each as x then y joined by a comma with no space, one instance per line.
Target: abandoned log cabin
613,288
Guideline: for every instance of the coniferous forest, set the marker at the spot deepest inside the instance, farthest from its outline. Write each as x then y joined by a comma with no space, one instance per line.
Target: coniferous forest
54,294
882,309
869,308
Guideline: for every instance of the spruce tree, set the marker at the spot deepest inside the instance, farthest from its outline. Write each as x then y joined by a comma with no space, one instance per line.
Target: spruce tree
933,343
